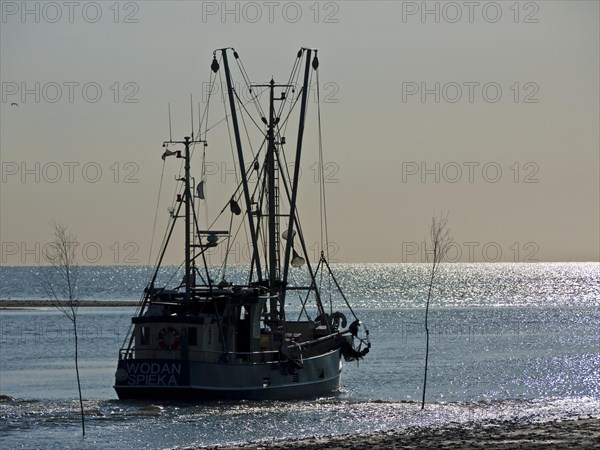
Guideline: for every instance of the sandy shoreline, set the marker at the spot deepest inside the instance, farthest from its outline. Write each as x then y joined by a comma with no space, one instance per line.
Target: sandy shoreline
580,434
26,304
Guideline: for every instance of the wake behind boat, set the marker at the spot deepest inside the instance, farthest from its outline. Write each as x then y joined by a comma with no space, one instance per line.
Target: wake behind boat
224,340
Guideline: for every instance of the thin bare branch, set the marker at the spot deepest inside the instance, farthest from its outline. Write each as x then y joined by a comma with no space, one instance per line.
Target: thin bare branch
441,242
59,280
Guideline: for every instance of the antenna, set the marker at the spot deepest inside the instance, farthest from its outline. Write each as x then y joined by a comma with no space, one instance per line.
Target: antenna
170,133
199,121
192,115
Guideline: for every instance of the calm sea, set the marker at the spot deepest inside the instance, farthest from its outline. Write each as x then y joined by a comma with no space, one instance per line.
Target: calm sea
516,342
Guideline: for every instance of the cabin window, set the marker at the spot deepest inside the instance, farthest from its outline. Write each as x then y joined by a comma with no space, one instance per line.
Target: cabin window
192,334
145,336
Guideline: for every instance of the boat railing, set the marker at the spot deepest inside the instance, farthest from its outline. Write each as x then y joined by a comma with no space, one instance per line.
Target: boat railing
233,357
203,355
125,353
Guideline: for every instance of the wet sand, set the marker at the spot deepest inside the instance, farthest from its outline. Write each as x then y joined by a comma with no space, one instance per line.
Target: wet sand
580,434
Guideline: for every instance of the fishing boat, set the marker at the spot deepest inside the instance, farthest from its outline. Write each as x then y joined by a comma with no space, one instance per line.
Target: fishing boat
272,333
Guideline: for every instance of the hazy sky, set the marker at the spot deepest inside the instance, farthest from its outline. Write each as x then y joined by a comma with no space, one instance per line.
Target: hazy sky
488,111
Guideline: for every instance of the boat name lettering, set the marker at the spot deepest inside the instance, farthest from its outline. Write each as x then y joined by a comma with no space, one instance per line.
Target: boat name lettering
154,368
154,374
152,380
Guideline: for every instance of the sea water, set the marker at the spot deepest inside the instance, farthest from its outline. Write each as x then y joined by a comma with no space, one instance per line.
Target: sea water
508,342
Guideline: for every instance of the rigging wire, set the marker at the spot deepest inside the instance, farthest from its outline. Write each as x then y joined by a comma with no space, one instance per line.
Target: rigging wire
204,120
284,124
246,79
253,100
229,132
228,135
323,204
243,107
322,198
245,127
291,84
260,111
162,173
227,249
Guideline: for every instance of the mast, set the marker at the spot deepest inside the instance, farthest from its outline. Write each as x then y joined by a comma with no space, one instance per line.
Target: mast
292,217
272,195
187,198
238,144
273,201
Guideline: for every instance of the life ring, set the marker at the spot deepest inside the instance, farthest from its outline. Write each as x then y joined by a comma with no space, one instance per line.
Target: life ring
333,320
338,318
121,375
168,338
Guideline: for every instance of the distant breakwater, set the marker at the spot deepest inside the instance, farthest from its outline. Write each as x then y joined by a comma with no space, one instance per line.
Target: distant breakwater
4,304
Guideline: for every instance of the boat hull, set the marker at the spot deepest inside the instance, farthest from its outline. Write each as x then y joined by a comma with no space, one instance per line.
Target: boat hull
188,380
